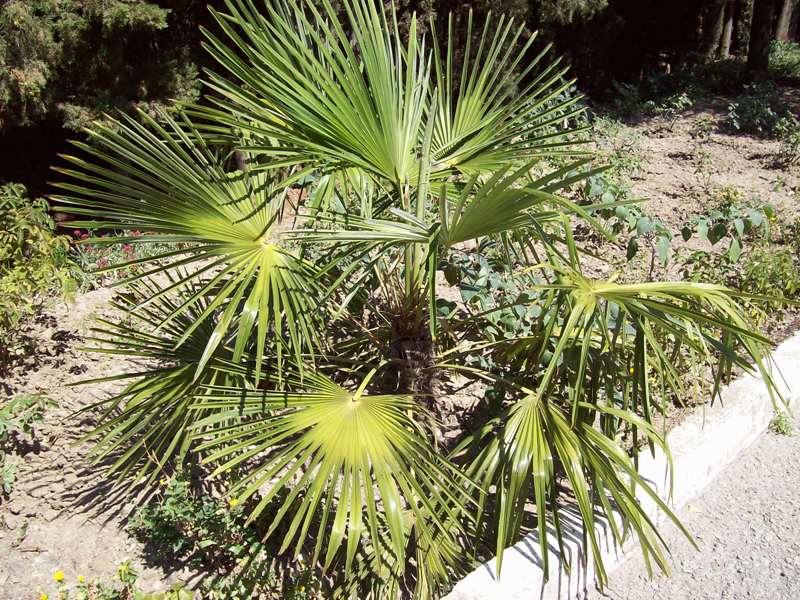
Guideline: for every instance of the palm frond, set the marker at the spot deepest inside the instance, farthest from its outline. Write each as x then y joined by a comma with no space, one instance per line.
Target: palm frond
357,467
162,177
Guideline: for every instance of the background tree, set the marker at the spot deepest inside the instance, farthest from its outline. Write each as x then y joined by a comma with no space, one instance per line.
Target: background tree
761,34
785,19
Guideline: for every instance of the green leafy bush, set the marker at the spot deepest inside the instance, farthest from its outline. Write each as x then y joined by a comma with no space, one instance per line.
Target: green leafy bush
788,132
784,59
34,266
757,111
732,220
773,272
211,535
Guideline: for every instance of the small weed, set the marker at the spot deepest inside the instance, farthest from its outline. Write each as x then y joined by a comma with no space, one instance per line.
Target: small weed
782,424
732,220
620,148
18,419
126,588
787,131
672,107
702,128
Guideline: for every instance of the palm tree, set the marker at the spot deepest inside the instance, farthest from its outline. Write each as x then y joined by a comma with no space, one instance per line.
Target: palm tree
303,351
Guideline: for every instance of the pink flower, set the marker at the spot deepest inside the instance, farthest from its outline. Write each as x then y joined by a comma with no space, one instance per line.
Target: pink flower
136,233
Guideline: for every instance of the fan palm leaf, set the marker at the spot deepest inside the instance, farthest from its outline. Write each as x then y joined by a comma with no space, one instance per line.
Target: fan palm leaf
162,177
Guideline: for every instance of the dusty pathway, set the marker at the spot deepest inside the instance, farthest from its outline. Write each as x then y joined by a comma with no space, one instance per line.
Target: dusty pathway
747,526
42,529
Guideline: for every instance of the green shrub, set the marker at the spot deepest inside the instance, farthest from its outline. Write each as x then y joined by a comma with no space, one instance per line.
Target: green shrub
34,265
211,536
731,220
757,111
784,59
773,272
788,132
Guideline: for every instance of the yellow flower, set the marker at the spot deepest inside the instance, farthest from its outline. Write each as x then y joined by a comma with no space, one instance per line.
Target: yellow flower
58,576
630,370
233,502
43,596
163,481
81,578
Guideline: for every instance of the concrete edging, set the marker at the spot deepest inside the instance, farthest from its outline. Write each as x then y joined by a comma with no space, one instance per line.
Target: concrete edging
701,447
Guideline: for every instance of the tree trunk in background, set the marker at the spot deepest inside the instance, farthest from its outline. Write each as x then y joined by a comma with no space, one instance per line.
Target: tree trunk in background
760,37
794,26
727,30
785,19
713,20
741,28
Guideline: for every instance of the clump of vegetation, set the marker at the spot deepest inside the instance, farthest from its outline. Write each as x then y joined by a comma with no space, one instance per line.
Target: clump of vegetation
784,59
18,419
208,534
619,147
110,257
787,131
731,220
782,424
125,588
308,365
34,265
758,110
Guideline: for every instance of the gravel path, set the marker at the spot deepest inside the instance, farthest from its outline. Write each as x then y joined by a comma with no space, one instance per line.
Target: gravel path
747,527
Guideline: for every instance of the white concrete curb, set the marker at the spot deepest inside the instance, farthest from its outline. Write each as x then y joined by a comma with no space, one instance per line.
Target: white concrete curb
701,446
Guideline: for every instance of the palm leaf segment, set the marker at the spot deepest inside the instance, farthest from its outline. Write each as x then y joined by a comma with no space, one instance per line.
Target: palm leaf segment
162,177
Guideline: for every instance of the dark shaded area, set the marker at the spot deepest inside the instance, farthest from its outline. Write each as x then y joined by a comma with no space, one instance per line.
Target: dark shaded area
26,153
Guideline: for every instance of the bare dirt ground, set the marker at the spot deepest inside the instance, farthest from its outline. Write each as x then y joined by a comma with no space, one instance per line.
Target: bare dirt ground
748,524
671,185
54,520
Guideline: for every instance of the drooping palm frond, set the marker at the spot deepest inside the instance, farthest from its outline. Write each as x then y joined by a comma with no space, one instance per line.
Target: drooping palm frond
146,426
608,359
526,452
162,177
